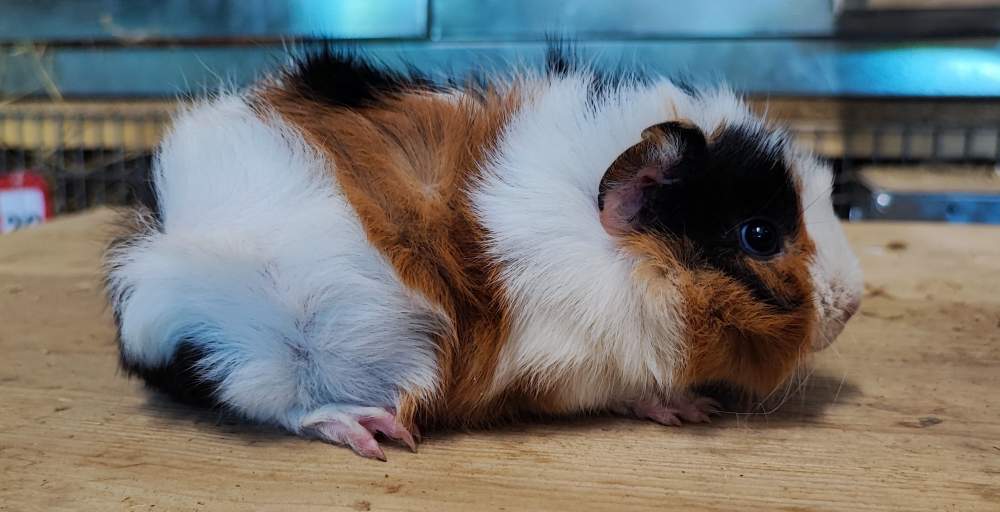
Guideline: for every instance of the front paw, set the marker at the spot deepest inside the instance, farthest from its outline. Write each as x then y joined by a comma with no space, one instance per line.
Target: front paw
675,411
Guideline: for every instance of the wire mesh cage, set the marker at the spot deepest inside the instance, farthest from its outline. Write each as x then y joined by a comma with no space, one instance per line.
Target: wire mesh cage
88,155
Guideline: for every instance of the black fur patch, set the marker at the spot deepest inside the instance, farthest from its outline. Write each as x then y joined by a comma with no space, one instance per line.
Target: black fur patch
716,187
180,377
685,82
562,59
344,78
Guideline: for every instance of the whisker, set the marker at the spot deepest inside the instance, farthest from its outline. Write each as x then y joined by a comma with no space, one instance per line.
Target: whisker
840,386
823,194
761,403
797,390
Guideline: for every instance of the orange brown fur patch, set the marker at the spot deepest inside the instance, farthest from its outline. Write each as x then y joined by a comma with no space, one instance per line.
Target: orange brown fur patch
405,164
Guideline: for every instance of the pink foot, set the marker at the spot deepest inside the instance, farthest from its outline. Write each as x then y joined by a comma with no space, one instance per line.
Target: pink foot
356,426
676,411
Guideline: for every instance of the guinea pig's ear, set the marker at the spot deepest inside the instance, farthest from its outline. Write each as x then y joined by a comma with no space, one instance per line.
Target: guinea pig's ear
667,153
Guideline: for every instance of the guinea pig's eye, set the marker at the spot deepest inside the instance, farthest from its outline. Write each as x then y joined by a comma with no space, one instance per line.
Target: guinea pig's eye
760,238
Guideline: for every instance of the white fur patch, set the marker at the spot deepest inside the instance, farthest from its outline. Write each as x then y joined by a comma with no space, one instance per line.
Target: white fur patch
263,264
581,323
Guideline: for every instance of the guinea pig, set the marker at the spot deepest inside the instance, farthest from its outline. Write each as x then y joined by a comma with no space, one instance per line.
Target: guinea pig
347,251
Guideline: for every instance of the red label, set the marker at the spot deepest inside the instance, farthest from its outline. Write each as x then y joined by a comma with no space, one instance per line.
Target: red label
24,200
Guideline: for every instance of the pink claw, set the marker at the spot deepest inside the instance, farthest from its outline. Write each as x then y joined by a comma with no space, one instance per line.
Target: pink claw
391,428
356,427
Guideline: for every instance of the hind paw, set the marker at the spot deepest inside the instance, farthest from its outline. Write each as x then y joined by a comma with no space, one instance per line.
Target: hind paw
356,426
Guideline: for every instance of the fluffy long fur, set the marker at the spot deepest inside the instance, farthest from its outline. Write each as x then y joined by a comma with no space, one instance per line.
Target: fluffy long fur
345,236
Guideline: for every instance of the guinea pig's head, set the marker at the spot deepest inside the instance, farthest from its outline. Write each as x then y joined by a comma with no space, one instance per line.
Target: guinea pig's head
740,225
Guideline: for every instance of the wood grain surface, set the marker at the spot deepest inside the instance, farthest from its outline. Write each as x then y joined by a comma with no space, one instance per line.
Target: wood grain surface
902,413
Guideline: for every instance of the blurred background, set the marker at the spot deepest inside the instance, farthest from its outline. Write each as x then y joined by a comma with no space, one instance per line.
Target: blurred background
901,96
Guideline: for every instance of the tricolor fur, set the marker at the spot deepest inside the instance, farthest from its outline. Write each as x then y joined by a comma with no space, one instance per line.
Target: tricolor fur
551,243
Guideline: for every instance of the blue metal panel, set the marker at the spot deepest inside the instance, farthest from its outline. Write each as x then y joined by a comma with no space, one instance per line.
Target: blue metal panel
142,20
969,68
589,19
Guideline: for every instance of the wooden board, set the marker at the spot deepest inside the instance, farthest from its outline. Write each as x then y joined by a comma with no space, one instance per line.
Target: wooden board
132,126
903,413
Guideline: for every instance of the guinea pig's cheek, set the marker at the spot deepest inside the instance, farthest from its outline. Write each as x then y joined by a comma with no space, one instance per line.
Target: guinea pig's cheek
750,331
715,308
